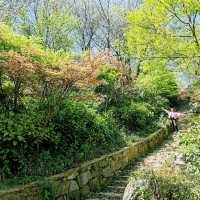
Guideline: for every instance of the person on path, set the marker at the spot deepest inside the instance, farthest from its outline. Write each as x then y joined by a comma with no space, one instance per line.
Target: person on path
173,116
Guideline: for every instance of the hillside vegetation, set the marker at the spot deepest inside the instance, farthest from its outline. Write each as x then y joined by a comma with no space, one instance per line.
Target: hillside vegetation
57,111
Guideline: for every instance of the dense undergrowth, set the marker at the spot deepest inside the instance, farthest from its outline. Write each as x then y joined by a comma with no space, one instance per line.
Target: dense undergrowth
56,112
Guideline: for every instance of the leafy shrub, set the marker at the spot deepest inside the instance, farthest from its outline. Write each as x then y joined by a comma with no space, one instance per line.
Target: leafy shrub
44,163
196,85
110,77
22,135
165,184
80,124
135,115
30,69
115,87
156,101
131,112
195,97
157,79
109,86
47,190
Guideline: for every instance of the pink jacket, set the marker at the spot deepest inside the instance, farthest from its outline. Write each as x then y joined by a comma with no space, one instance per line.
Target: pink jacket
175,115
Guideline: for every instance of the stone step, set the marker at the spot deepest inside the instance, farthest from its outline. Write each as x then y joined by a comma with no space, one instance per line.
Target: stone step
110,195
123,177
116,189
105,196
120,182
127,173
95,196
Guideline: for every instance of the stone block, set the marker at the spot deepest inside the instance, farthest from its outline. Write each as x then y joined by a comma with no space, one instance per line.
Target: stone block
73,186
61,187
132,153
85,190
84,178
107,172
94,170
103,163
124,162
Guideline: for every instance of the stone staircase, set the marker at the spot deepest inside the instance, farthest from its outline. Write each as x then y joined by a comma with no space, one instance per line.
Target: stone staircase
114,190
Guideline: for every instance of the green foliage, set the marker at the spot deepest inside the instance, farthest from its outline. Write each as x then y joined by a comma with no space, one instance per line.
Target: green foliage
30,48
157,80
47,190
110,87
195,96
190,139
135,115
157,88
195,87
21,135
132,110
15,181
110,76
19,127
80,124
159,30
157,102
41,144
190,146
52,18
165,184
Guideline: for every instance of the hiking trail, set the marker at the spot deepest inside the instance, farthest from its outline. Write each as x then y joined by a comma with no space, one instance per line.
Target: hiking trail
153,160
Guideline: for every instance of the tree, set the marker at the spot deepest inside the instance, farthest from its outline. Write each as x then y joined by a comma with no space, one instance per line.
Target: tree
157,80
88,19
54,24
166,30
47,19
11,9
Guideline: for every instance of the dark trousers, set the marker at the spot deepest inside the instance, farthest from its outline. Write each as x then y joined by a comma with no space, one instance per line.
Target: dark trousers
174,124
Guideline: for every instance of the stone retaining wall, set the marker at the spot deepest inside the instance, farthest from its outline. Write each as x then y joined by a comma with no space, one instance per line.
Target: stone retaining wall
90,176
